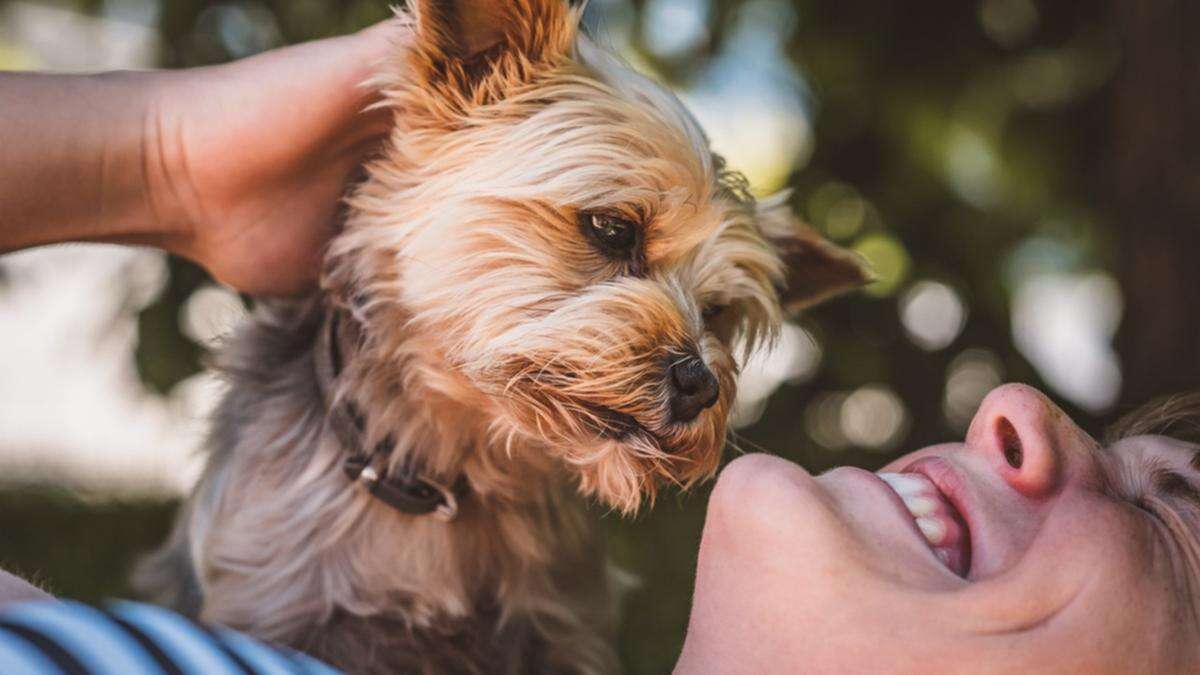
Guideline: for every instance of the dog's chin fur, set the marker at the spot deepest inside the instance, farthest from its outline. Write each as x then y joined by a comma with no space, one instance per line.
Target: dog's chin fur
498,345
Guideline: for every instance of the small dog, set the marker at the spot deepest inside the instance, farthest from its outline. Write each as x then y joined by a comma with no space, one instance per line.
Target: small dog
537,295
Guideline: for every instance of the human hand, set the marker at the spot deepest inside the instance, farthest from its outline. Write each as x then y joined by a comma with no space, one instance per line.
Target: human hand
246,162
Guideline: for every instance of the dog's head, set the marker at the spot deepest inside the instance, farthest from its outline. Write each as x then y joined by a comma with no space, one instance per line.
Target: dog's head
556,232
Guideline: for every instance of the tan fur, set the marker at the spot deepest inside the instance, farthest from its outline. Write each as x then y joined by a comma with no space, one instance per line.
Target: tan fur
493,333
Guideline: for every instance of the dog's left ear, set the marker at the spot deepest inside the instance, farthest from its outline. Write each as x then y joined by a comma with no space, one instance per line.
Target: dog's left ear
474,49
816,269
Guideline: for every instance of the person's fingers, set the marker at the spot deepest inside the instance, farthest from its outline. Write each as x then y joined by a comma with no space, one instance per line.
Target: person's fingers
381,39
16,589
377,43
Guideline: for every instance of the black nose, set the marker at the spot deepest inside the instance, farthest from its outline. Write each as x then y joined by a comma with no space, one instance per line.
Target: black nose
695,388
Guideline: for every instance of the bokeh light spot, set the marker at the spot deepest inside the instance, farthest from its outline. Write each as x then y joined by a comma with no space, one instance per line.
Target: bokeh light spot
211,313
823,421
674,28
972,168
933,314
888,259
1064,324
969,378
795,357
1008,22
875,418
241,29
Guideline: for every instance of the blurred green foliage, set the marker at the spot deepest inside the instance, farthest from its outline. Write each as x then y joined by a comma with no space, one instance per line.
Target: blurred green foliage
74,546
946,136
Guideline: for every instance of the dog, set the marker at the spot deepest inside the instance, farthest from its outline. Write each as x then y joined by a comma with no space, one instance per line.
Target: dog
537,299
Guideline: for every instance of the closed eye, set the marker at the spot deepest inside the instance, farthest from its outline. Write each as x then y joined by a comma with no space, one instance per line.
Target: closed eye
1173,484
1158,496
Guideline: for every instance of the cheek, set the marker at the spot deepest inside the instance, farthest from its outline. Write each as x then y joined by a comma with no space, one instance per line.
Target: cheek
1122,615
483,283
503,270
608,346
1103,567
777,555
1097,531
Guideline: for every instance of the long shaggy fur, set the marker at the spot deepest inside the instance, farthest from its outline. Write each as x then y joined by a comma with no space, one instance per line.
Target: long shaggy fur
494,335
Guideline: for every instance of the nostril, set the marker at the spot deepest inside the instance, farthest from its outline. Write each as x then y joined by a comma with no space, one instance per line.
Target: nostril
1010,442
695,388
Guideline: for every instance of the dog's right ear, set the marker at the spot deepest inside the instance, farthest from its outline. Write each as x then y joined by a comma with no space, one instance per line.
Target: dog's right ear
474,51
816,269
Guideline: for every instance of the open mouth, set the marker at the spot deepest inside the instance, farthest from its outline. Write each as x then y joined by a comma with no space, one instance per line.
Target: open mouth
940,523
612,424
620,426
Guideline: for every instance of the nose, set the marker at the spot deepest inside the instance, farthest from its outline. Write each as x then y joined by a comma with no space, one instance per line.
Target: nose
694,388
1025,437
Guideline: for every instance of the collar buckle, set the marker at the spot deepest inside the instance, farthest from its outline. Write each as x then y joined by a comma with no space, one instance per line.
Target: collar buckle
407,492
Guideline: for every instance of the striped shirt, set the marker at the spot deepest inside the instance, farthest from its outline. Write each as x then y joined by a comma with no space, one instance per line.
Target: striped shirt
128,638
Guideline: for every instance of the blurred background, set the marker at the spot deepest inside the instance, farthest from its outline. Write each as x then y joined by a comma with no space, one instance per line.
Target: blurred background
1024,176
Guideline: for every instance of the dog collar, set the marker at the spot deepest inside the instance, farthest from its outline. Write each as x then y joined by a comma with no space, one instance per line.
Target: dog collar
407,490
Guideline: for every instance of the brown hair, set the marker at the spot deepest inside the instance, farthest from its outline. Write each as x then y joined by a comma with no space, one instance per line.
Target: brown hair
1177,416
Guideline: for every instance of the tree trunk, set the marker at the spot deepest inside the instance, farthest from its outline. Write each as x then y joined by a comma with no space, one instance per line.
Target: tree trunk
1156,174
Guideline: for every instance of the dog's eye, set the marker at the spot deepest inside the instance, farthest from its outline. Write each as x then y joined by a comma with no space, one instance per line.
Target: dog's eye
615,235
712,311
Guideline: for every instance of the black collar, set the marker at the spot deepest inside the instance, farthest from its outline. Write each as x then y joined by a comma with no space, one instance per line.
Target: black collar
407,490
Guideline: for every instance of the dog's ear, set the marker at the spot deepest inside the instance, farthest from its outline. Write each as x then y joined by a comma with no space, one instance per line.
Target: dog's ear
816,269
474,49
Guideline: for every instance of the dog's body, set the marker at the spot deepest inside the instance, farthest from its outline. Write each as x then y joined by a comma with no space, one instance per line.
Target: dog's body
291,551
536,295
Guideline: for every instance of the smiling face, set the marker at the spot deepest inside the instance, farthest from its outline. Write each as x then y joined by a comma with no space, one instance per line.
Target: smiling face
1028,548
550,232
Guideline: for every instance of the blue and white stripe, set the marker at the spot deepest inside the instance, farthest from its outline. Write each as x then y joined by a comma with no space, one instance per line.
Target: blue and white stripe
69,638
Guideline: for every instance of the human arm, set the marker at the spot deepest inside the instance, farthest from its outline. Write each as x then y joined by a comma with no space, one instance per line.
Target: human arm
238,167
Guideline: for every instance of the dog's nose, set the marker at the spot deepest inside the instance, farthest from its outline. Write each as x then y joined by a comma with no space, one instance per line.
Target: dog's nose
695,388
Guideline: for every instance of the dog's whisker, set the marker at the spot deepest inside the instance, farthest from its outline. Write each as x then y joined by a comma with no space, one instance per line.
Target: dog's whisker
737,438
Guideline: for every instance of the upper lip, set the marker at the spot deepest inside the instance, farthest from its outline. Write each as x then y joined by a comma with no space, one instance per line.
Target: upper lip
947,480
898,501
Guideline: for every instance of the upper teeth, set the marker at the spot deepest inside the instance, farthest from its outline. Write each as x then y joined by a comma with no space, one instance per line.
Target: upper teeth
923,502
933,529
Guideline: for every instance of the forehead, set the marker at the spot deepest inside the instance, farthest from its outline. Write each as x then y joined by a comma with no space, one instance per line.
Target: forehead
598,117
603,137
638,90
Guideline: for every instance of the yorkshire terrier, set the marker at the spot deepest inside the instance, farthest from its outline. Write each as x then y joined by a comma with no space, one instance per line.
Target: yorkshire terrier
537,297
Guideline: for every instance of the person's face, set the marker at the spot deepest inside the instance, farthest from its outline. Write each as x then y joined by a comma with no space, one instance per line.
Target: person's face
1028,548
